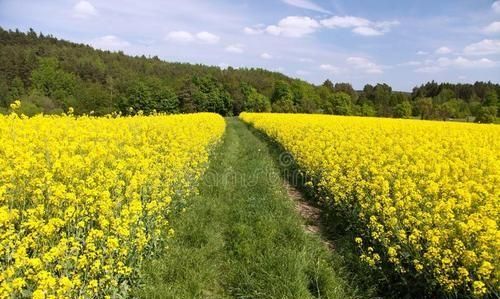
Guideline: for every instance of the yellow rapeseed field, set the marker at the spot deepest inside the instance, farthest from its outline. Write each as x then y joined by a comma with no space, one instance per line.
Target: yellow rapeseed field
427,194
83,200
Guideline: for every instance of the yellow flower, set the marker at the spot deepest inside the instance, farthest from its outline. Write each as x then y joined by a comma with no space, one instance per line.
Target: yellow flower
15,105
479,288
18,283
485,269
38,294
419,267
420,191
87,197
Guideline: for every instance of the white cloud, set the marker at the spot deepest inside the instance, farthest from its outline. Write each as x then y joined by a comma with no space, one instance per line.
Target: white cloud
84,9
330,68
465,63
443,63
496,6
345,22
266,56
207,37
443,50
360,26
410,63
238,48
306,4
422,53
364,64
180,36
304,59
187,37
294,26
492,28
302,73
385,26
252,30
428,69
367,31
110,42
484,47
298,26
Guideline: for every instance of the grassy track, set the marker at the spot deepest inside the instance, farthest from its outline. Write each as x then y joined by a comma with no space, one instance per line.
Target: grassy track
241,237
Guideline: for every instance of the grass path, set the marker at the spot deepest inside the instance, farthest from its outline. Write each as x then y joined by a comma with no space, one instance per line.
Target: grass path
241,237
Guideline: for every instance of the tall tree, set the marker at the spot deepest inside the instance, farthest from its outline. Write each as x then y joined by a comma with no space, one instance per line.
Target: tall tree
52,81
403,110
282,99
424,107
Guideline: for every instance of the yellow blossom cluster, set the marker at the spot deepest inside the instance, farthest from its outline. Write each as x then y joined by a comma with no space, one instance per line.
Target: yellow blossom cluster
426,194
83,200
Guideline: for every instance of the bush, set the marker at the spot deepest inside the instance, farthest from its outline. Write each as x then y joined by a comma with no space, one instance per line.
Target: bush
486,115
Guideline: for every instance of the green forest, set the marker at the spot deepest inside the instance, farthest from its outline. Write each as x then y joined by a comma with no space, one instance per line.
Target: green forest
50,75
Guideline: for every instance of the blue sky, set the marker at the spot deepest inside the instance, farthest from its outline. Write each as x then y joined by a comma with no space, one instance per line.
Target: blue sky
402,43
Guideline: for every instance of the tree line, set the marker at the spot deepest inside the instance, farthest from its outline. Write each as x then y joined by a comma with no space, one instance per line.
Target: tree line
50,75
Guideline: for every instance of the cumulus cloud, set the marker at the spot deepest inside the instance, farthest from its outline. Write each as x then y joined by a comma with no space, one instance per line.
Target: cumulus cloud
306,4
496,6
443,63
330,68
443,50
180,36
207,37
492,28
294,26
367,31
484,47
466,63
298,26
345,22
187,37
84,9
253,30
266,56
422,53
365,65
238,48
359,25
110,42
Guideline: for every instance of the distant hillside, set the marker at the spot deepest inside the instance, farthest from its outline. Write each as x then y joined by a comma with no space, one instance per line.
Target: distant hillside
50,75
